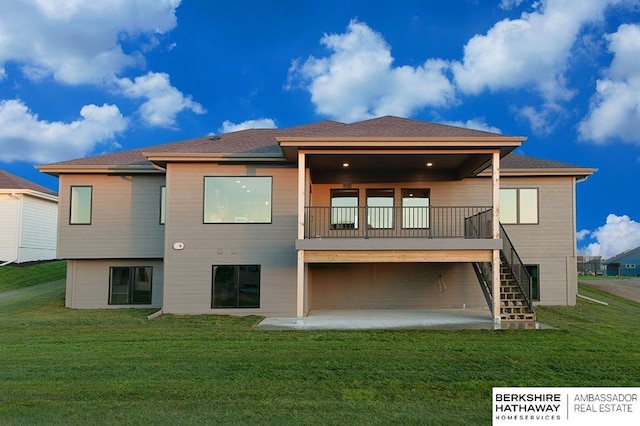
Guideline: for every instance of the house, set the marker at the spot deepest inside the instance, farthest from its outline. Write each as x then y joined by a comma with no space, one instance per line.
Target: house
384,213
625,264
28,220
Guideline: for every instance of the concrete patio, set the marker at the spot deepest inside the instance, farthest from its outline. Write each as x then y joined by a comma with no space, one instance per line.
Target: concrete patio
434,319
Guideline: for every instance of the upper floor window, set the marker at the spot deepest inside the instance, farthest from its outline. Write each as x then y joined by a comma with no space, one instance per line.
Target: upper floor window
415,208
237,199
344,209
519,205
380,208
80,205
163,204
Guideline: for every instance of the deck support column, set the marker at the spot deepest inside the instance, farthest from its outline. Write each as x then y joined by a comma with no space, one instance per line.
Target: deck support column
495,179
300,275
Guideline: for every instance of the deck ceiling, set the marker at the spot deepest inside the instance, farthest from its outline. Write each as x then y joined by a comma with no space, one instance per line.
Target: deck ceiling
396,166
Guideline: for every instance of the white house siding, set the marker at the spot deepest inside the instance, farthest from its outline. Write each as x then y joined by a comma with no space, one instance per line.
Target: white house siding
125,218
188,272
39,229
395,286
551,243
88,283
9,227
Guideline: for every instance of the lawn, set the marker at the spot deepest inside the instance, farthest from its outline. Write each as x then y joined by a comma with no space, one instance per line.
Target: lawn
61,366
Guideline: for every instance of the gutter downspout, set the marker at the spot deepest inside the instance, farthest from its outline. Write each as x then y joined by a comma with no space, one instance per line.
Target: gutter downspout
155,315
8,262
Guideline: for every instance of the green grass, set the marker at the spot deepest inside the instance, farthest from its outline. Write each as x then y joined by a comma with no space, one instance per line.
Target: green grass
61,366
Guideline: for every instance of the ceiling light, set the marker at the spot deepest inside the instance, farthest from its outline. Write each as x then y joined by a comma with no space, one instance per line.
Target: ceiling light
345,164
429,164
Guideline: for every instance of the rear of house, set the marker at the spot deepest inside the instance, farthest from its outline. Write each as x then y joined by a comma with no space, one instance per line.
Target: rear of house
28,219
386,213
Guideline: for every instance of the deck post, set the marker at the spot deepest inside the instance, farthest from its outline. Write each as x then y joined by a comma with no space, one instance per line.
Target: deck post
495,179
300,275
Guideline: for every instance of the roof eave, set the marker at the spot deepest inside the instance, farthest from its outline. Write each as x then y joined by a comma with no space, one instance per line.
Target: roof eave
31,192
56,170
569,171
173,157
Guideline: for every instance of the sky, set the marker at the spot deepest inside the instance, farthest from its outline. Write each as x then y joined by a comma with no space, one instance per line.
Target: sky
86,77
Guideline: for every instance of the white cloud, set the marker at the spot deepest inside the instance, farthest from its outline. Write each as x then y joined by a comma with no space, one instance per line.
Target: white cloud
618,234
615,107
581,235
261,123
162,101
24,137
358,80
474,123
79,41
531,51
510,4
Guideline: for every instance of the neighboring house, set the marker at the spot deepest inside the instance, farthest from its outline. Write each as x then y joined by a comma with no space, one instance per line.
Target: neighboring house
626,264
28,220
384,213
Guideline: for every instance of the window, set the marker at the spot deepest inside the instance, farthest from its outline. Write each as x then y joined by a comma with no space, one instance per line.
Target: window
519,205
163,204
130,285
630,266
235,286
344,209
237,199
415,208
80,205
534,291
380,208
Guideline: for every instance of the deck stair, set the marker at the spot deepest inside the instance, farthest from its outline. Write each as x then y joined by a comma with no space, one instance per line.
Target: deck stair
513,303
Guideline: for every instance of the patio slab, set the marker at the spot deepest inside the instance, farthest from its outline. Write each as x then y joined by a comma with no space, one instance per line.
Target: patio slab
436,319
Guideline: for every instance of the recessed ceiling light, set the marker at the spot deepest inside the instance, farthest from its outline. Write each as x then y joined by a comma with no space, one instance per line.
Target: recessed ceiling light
429,164
345,164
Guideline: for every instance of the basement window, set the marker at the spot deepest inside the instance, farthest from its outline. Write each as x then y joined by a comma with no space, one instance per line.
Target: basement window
130,285
235,286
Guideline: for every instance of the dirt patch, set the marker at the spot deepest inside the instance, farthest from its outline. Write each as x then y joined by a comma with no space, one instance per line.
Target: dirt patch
628,288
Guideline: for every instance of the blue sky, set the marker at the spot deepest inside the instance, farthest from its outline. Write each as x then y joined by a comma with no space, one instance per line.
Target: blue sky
85,77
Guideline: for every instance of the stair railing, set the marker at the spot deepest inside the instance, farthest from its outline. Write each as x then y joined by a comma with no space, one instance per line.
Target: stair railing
520,272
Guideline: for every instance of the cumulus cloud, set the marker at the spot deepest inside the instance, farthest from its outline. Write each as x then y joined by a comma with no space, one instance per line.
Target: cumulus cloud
162,102
474,123
361,65
78,42
618,234
531,51
23,136
261,123
615,107
510,4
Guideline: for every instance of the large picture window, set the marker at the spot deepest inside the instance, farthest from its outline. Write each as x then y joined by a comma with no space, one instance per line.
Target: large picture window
130,285
237,199
344,209
80,205
519,205
235,286
415,208
380,208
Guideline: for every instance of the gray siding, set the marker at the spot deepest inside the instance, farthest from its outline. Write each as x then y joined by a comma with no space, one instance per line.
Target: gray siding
88,283
394,286
188,271
551,243
125,218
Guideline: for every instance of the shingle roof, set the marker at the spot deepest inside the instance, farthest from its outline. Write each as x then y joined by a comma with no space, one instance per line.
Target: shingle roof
263,141
620,256
11,181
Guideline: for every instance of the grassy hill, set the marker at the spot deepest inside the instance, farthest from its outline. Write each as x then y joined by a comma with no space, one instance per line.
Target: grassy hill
62,366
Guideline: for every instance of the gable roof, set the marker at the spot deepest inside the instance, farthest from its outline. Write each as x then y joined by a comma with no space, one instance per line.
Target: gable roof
620,256
269,144
12,183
